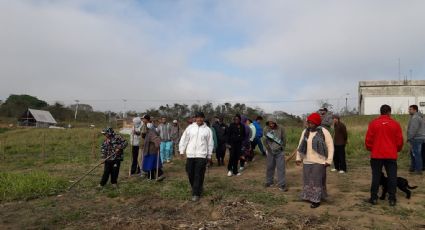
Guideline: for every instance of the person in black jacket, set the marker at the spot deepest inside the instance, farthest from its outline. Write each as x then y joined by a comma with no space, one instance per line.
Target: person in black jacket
236,134
221,131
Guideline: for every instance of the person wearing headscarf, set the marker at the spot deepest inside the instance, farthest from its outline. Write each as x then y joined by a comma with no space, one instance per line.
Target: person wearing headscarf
135,143
315,152
151,155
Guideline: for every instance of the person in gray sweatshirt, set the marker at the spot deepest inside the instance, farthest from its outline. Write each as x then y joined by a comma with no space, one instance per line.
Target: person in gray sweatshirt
166,148
327,118
275,141
416,137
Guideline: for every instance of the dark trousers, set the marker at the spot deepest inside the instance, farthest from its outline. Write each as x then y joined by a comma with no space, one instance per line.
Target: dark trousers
134,165
391,170
339,158
195,168
257,141
152,174
423,156
221,152
111,168
235,153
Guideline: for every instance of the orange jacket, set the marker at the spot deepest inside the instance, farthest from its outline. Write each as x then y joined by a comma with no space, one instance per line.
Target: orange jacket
384,138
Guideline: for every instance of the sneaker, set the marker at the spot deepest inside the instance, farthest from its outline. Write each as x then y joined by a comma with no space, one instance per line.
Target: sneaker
341,171
315,205
229,173
239,174
114,186
392,203
168,161
195,198
241,169
268,185
333,170
283,188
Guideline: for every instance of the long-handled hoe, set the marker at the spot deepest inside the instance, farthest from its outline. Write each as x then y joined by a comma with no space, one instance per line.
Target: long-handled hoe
91,170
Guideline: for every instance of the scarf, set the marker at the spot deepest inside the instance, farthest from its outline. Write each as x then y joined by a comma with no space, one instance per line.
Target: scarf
318,144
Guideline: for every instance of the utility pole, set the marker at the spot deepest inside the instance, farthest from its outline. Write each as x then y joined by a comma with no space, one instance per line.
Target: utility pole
76,110
346,103
124,113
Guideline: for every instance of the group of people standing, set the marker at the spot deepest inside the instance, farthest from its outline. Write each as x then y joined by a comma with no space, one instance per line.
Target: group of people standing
318,147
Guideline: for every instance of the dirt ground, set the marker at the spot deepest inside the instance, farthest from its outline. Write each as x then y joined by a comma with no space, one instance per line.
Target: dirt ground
88,208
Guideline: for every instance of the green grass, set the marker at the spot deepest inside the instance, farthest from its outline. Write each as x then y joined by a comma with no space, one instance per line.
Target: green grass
33,173
14,186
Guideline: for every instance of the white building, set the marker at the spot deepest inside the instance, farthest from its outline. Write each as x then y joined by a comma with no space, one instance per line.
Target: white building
397,94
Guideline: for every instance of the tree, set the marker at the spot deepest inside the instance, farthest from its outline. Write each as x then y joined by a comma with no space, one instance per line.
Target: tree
16,105
59,112
325,104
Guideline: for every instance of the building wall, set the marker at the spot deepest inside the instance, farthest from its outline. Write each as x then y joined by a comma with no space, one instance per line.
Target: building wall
398,94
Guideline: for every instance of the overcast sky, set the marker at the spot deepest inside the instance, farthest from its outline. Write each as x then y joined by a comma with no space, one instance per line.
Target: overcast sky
279,55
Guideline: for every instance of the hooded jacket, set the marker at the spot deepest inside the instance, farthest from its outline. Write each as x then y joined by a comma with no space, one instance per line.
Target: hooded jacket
113,148
416,127
220,131
235,134
258,129
271,145
197,141
248,132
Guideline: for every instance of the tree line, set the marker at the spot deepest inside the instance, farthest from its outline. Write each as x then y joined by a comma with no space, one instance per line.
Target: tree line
16,105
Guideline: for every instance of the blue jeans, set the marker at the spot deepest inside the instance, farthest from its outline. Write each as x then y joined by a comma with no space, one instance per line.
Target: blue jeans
416,163
257,141
166,150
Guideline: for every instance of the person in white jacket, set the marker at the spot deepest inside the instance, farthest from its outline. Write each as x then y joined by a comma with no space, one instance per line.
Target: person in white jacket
197,142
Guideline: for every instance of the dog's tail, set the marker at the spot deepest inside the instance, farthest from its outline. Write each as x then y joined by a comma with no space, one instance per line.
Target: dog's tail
410,187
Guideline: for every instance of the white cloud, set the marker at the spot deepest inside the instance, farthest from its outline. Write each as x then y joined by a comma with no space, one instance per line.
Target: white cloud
104,50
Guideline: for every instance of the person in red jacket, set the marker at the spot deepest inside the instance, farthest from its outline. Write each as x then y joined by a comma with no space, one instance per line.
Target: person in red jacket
384,139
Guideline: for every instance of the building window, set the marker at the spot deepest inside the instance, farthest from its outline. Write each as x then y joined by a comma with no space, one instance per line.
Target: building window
422,104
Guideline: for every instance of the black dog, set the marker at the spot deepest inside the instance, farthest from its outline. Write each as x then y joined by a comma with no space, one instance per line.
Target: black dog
402,184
